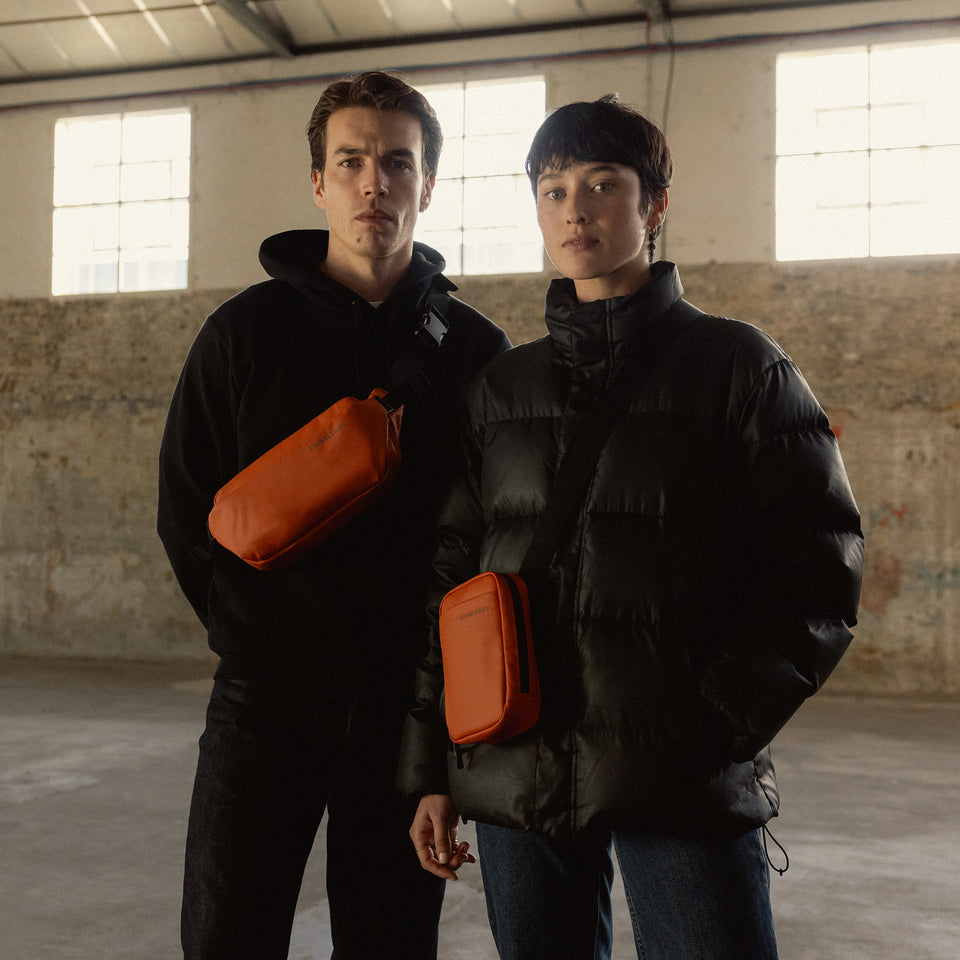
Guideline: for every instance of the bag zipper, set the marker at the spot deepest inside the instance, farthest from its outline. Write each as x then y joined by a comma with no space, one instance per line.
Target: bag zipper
521,635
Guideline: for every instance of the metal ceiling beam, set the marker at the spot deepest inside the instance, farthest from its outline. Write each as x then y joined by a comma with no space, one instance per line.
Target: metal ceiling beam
753,6
258,25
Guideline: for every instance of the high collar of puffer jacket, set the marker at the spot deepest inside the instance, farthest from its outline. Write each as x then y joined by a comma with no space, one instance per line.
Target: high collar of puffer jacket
295,256
587,333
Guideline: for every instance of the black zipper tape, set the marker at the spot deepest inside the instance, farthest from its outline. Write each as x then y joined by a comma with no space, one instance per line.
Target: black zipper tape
521,634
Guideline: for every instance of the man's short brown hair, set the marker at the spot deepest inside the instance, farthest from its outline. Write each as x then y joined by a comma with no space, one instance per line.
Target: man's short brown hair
381,91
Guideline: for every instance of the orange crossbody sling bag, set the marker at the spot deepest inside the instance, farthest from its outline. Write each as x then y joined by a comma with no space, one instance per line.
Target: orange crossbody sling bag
314,482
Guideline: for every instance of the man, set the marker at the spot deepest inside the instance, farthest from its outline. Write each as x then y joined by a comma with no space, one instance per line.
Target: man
316,661
703,591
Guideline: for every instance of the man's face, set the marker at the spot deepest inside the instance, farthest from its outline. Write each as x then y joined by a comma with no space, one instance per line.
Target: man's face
372,187
594,225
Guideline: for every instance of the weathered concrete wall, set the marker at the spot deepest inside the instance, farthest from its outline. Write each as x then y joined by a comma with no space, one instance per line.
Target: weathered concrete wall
84,385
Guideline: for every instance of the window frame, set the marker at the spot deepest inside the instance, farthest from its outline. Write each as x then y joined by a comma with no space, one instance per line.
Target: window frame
878,197
478,191
116,196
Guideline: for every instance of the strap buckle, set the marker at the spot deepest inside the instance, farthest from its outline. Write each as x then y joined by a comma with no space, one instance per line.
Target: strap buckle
433,327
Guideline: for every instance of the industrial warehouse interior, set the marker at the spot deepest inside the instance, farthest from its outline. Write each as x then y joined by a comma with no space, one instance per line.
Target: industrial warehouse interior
150,146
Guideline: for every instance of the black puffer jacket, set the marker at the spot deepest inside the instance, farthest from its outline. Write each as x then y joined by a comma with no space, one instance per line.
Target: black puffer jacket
704,592
263,364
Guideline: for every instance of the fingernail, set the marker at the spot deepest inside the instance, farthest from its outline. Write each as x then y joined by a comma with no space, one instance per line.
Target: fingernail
443,857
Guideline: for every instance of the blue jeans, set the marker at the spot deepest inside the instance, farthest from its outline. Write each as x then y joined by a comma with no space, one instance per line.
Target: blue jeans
688,899
275,756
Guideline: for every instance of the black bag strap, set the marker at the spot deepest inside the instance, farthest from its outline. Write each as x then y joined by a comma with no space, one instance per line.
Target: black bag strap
407,372
591,434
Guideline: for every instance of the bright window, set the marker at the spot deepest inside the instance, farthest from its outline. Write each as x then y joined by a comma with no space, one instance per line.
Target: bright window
121,188
482,216
868,148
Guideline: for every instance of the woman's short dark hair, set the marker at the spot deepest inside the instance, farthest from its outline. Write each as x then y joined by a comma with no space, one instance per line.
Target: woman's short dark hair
602,131
381,91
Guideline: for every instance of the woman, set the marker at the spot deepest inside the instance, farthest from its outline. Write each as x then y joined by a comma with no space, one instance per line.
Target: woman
704,590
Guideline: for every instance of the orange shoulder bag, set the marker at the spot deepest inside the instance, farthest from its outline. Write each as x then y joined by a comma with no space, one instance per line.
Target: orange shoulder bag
314,482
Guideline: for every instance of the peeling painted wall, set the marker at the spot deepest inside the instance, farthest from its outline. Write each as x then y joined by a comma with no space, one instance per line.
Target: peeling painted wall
84,385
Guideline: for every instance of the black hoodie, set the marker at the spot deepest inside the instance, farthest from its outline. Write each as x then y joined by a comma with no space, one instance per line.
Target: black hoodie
264,363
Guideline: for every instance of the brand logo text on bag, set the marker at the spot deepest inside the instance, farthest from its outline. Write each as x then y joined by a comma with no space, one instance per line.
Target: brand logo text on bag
474,613
320,441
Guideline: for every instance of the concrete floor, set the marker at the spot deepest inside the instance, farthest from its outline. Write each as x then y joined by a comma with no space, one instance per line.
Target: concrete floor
96,765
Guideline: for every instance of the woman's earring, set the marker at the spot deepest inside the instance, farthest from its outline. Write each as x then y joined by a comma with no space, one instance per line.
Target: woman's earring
652,235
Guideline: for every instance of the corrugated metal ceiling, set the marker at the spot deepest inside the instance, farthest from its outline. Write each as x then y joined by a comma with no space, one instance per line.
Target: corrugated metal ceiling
42,39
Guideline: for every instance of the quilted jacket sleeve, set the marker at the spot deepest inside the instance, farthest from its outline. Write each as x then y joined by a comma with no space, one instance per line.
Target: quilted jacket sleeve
800,566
